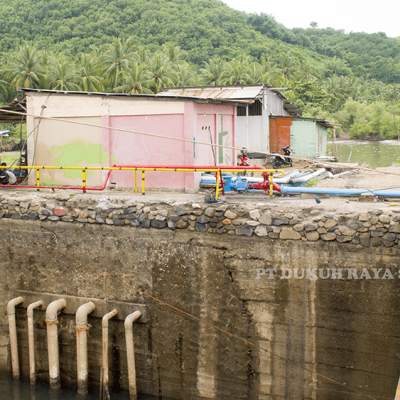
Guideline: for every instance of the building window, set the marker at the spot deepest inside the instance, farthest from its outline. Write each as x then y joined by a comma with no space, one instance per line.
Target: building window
241,111
254,109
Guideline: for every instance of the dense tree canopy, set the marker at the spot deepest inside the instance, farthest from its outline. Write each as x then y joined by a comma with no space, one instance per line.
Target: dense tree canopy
141,46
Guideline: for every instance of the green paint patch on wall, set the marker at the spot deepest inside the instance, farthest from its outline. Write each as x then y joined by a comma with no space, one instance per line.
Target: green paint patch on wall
79,154
48,182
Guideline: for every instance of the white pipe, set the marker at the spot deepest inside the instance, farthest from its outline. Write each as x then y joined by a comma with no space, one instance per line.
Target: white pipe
305,178
81,346
130,353
31,341
52,311
13,335
104,382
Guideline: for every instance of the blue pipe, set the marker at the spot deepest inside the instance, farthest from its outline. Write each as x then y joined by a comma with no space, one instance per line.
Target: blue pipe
348,192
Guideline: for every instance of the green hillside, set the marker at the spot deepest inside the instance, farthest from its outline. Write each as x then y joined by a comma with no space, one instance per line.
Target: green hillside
203,28
140,46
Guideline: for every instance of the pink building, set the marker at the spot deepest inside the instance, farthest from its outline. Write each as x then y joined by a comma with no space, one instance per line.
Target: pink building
99,143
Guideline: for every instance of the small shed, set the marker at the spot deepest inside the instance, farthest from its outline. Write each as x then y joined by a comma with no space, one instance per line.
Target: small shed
307,137
100,143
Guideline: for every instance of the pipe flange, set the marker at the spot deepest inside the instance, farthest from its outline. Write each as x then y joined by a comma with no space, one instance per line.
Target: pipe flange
82,328
51,321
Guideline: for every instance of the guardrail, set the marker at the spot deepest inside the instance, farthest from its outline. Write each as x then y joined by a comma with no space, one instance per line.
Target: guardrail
218,171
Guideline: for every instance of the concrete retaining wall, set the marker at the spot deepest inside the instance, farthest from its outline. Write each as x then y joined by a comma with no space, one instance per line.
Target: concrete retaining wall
249,269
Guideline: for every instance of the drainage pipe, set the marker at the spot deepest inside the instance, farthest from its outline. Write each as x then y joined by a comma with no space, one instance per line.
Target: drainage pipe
52,311
13,335
306,178
104,381
31,340
345,192
81,346
130,353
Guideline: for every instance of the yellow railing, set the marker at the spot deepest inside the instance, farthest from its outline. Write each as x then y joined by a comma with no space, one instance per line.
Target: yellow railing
84,187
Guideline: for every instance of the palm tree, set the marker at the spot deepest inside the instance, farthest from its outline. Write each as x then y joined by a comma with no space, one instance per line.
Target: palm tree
25,68
255,74
272,74
185,75
212,73
89,75
137,80
62,74
117,59
161,73
174,54
288,65
142,55
236,71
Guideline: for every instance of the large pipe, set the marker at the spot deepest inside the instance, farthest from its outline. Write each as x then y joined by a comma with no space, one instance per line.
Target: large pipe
307,177
345,192
104,380
31,341
130,353
81,346
52,311
13,335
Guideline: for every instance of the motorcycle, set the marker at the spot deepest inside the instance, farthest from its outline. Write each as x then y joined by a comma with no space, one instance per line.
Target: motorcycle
281,161
244,158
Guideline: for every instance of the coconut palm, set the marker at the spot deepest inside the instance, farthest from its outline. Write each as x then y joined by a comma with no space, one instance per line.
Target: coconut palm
236,72
141,55
89,74
185,75
211,74
136,80
161,73
117,59
61,74
25,68
288,65
174,54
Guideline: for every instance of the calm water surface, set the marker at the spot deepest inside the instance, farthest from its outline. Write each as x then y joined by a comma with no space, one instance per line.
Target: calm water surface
376,154
10,390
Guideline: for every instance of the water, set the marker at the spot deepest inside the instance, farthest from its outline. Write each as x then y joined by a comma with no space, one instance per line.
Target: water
376,154
11,390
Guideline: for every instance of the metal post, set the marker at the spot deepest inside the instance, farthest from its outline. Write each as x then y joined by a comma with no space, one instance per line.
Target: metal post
84,180
222,185
143,189
271,185
217,185
135,181
38,179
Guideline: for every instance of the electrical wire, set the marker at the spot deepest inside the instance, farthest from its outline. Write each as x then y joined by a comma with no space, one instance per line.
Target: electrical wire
104,274
170,138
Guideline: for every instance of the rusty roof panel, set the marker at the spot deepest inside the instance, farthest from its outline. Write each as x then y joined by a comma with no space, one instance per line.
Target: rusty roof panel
230,93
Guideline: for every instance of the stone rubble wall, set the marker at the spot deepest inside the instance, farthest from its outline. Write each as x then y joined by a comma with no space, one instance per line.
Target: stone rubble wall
373,228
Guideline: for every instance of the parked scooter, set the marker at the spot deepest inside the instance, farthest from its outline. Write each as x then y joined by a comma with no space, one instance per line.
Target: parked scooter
244,158
281,161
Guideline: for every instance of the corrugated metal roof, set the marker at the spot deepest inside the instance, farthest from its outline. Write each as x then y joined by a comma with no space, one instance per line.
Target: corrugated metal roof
217,92
18,105
166,96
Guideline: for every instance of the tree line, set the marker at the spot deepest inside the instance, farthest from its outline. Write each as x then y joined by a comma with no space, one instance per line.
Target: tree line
364,106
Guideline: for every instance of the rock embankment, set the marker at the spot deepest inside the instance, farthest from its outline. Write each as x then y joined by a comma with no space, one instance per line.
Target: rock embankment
370,228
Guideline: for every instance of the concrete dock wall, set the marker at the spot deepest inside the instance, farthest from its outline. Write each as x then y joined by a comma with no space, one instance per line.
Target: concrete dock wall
322,299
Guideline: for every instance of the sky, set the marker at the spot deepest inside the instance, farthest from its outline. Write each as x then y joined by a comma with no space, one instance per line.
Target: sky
368,16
